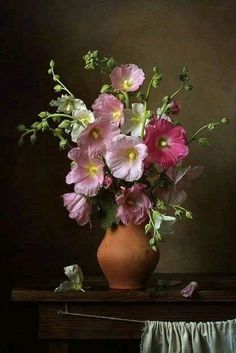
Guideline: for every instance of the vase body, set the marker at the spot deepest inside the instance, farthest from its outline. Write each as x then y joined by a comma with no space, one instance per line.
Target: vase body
126,258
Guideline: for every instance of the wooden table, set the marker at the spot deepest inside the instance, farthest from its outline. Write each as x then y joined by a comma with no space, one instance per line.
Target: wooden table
214,300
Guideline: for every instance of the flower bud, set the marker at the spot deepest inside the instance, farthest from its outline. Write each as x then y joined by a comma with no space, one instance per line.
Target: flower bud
21,128
52,63
57,132
45,125
37,125
49,71
43,115
224,120
174,107
57,88
65,124
62,144
107,182
33,138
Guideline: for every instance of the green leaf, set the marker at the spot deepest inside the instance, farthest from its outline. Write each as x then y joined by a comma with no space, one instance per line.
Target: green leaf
108,215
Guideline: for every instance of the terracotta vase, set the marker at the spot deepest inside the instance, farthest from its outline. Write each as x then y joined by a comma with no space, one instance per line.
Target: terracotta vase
125,257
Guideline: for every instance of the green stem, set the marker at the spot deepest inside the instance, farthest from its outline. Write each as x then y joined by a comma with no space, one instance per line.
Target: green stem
144,120
149,88
60,83
197,132
178,90
58,114
126,99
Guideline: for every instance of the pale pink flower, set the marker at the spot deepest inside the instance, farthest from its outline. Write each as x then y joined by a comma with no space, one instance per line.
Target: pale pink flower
96,135
87,174
133,205
125,157
110,107
166,143
78,206
127,77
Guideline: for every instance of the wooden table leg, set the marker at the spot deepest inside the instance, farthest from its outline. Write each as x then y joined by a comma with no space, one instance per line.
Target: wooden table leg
58,347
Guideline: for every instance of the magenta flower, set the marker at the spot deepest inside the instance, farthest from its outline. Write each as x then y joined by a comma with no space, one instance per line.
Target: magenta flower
110,107
87,174
125,157
127,77
96,135
133,205
78,206
166,143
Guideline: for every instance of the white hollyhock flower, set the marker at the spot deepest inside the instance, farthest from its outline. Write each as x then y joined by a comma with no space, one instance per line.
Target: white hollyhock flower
82,118
67,104
133,119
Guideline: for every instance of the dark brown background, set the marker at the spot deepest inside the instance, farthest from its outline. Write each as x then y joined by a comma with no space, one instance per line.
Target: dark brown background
38,238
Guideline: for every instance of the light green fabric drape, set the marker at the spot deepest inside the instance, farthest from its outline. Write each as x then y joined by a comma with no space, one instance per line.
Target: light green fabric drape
182,337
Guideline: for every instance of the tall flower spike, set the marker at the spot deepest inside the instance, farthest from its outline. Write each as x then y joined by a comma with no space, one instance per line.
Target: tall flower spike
166,143
127,77
125,156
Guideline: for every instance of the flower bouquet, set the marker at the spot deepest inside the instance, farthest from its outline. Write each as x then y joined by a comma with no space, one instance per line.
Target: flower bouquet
127,160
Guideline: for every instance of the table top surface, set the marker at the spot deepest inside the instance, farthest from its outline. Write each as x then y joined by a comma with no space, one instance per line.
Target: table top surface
160,288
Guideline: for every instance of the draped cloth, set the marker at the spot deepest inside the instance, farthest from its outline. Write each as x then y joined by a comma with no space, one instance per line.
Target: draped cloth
192,337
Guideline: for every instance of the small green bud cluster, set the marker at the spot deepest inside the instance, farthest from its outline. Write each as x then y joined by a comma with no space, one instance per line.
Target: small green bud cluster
183,76
157,77
93,60
181,212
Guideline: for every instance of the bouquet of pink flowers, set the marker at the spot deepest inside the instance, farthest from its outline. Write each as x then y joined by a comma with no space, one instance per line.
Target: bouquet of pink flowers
127,160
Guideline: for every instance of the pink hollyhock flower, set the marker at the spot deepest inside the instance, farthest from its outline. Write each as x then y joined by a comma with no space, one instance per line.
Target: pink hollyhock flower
127,77
124,157
87,174
78,206
110,107
166,143
133,205
96,135
107,182
174,107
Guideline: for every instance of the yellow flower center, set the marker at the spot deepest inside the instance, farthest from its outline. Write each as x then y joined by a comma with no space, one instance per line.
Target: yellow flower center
84,119
93,169
136,119
95,133
132,154
116,115
162,142
127,84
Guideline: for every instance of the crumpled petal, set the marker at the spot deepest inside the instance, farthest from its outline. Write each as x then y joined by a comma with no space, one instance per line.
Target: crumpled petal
75,275
188,291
